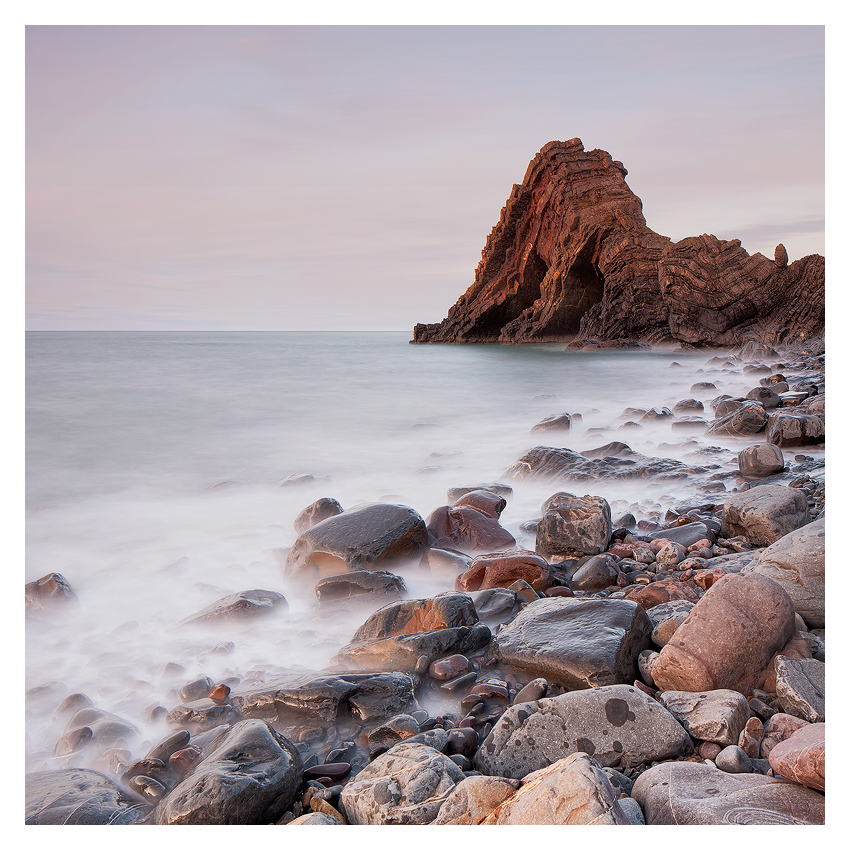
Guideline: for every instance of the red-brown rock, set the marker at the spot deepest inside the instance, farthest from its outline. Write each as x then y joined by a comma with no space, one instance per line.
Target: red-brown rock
490,504
666,590
706,578
468,530
572,256
729,638
501,569
802,757
778,728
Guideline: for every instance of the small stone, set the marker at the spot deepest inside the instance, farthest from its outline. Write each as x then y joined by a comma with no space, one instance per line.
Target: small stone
219,694
733,759
709,750
751,737
198,689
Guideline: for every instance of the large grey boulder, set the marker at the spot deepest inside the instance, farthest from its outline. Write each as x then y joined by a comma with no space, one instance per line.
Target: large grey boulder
687,534
765,513
801,687
573,791
251,777
579,643
718,716
574,525
406,785
369,537
797,563
297,696
618,725
760,460
685,793
495,605
744,421
76,796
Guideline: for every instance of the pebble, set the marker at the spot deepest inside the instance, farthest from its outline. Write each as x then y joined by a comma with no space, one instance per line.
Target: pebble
733,759
450,667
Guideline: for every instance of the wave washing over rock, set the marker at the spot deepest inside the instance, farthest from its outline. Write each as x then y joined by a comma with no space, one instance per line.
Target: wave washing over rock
572,259
600,662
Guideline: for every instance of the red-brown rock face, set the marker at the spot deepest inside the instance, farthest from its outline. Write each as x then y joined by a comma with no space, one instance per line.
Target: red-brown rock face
573,258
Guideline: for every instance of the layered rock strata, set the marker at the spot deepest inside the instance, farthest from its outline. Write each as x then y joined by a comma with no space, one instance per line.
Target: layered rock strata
572,258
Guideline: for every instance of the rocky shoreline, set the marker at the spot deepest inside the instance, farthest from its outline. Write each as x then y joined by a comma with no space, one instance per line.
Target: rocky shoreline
629,667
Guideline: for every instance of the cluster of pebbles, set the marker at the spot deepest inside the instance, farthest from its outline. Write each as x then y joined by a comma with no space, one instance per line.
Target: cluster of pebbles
661,670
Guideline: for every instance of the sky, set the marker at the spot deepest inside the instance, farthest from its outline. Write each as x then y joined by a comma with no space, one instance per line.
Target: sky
346,177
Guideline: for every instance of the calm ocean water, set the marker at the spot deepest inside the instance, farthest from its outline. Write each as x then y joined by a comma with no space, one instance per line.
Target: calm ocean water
157,467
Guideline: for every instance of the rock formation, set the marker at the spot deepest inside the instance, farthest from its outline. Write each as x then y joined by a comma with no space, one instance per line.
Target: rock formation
572,258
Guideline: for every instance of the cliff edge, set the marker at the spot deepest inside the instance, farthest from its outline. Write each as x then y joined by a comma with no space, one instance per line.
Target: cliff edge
572,258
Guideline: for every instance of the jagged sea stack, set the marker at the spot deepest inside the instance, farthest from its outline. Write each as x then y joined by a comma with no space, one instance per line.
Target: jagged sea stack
572,258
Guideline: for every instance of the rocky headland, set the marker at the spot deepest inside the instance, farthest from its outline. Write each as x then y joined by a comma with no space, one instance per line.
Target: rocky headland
572,259
611,666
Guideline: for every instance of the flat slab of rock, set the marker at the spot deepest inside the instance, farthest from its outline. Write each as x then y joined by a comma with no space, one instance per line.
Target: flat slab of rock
802,757
687,534
305,695
251,777
360,585
579,643
765,513
368,537
797,563
572,791
406,785
685,793
716,716
241,606
801,687
729,638
77,797
618,725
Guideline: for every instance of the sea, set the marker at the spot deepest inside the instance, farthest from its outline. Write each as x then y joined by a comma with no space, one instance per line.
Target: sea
164,471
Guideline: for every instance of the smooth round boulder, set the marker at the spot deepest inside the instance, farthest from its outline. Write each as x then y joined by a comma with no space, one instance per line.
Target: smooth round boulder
599,572
410,616
760,460
467,530
369,537
320,510
501,569
488,503
729,638
251,777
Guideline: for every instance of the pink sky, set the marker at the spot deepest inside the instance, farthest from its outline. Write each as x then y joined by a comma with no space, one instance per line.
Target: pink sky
346,177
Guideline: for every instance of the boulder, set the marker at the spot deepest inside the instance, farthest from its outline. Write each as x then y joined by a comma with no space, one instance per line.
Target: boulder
77,797
578,643
729,638
687,534
765,513
364,538
579,525
760,460
47,591
445,561
795,429
716,716
251,777
663,591
573,791
501,569
796,562
320,510
555,422
315,819
617,725
802,756
801,687
777,728
406,785
412,616
296,696
361,586
685,793
202,714
474,798
748,419
468,530
485,501
241,606
675,609
597,573
407,652
496,605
